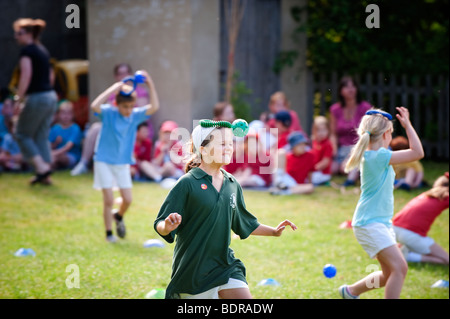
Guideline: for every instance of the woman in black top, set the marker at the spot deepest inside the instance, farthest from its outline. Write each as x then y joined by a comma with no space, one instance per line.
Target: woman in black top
35,92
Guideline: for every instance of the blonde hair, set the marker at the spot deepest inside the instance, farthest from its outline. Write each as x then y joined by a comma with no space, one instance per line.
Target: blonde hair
370,130
319,120
280,95
440,189
65,105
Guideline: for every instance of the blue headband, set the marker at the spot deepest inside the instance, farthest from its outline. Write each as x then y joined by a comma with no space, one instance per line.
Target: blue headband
385,114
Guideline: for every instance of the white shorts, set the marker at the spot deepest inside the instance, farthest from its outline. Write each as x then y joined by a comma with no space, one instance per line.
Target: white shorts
413,241
374,237
214,292
109,176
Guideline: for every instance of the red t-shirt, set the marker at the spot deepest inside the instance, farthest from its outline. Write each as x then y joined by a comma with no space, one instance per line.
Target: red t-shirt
300,166
143,150
257,165
321,150
283,138
419,214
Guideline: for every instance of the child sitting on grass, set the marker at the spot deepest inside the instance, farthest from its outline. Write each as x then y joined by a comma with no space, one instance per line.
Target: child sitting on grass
65,137
293,175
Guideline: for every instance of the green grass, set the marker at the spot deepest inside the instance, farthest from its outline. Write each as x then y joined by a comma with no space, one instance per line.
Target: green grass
63,224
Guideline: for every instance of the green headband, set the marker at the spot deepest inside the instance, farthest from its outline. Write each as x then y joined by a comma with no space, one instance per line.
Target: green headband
239,127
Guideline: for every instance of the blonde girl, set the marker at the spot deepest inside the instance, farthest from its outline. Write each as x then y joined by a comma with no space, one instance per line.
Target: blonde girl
372,218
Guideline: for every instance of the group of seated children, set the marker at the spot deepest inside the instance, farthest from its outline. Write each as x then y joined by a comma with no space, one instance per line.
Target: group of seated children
276,154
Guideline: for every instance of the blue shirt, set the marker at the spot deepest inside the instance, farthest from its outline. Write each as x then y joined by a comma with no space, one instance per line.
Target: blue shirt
10,145
68,134
118,135
376,203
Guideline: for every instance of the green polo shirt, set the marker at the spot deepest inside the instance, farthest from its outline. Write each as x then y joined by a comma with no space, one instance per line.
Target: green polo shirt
202,257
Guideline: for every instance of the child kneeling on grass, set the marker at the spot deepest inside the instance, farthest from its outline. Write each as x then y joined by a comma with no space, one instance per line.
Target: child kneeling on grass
200,210
114,152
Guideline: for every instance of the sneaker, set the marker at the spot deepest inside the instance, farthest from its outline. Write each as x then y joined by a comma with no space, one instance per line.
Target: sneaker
111,239
79,169
345,294
120,225
348,183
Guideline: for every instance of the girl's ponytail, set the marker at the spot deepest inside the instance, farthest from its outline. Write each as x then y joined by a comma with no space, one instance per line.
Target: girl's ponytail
372,127
358,152
194,161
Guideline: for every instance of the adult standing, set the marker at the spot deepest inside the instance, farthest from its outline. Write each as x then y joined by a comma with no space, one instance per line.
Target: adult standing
344,121
35,93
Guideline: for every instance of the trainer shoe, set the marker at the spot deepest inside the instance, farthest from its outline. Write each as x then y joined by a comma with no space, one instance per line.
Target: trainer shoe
120,225
345,293
111,239
79,169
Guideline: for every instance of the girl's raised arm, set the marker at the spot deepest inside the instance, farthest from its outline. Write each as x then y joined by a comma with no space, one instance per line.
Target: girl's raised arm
415,151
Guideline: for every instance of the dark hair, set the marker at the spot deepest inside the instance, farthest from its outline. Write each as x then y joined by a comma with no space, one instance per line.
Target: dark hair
121,65
399,143
344,82
219,108
120,98
33,26
141,125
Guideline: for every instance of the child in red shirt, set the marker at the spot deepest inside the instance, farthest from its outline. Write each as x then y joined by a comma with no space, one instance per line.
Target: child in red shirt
322,150
142,149
413,222
295,168
251,173
283,122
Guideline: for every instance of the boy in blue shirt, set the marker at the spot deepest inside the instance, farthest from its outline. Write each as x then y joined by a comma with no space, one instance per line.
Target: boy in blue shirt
114,152
65,137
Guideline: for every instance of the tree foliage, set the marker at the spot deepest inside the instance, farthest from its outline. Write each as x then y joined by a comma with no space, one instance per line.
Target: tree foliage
412,38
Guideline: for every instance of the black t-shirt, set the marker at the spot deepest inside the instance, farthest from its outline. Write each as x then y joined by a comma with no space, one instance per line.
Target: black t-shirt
40,62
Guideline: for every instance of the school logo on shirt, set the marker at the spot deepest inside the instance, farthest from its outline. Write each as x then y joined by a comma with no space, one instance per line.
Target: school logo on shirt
233,200
204,186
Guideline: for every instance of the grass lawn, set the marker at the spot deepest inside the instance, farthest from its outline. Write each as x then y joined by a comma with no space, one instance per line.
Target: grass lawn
63,224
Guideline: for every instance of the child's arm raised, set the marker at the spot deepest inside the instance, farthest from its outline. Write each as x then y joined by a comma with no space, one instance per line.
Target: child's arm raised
154,100
264,230
415,151
95,105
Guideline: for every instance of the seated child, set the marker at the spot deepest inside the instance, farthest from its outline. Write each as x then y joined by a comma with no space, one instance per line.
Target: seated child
10,157
413,222
142,151
65,137
294,168
407,175
283,122
323,151
251,173
162,166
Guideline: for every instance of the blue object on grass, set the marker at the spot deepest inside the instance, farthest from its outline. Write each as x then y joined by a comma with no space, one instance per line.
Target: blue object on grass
23,252
329,271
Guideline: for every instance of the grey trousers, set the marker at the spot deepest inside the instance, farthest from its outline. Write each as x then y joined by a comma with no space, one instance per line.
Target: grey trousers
33,126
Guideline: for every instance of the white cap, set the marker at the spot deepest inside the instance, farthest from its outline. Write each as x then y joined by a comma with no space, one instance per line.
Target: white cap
199,134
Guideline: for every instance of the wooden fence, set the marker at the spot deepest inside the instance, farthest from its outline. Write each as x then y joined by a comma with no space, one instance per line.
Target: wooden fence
426,97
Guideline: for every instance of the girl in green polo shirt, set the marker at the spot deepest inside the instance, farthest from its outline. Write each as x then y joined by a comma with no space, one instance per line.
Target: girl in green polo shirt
200,210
